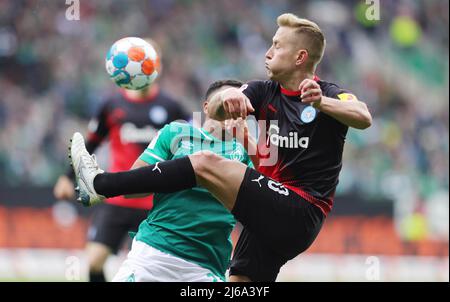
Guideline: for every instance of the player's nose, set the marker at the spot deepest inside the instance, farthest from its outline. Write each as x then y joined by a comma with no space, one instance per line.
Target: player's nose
269,54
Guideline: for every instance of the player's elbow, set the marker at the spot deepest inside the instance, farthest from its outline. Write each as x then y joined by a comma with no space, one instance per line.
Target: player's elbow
365,119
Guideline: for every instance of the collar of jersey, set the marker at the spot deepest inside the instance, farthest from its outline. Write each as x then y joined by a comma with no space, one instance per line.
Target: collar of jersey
290,92
296,92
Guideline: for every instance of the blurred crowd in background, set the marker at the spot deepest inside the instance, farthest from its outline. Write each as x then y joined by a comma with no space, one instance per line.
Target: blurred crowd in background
52,79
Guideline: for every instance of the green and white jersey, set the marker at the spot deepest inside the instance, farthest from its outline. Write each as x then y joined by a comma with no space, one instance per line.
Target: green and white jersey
190,224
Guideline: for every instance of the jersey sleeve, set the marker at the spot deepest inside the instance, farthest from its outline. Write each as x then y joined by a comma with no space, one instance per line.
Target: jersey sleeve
334,91
159,148
255,91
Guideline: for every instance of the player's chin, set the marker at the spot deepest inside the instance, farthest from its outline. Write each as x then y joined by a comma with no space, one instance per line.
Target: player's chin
272,76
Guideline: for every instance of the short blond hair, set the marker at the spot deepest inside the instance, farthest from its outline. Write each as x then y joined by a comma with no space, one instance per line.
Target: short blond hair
315,40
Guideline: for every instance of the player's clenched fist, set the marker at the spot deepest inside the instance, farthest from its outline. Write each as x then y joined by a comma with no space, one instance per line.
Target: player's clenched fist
236,104
310,92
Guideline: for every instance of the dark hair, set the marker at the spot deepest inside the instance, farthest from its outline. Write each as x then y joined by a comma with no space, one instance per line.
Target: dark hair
219,84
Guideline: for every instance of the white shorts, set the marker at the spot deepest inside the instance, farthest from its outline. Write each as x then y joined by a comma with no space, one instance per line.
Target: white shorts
147,264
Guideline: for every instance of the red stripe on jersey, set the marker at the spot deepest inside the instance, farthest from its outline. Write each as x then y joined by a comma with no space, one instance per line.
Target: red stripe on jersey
290,92
274,173
322,205
273,109
296,92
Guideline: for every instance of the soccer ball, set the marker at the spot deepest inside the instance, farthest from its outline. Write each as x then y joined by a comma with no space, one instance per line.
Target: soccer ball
132,63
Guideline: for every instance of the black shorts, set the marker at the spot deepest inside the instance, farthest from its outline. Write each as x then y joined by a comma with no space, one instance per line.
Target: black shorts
278,225
110,224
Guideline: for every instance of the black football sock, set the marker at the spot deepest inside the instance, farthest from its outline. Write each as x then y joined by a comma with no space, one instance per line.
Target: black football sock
97,276
163,177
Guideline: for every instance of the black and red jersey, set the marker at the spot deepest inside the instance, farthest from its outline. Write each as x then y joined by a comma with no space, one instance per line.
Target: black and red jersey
301,147
129,125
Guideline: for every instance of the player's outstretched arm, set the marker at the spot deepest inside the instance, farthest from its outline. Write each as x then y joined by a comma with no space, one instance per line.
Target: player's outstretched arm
352,113
230,103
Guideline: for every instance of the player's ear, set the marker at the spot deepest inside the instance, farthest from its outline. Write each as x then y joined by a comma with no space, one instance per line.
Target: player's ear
302,56
205,107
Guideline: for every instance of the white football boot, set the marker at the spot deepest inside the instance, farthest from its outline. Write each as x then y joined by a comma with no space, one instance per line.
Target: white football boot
86,168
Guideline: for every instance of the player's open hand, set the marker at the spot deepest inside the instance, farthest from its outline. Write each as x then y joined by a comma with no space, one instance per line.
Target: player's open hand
310,92
236,104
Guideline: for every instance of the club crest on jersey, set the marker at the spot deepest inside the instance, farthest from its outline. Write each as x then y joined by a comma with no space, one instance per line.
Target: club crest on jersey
186,145
158,115
237,154
308,114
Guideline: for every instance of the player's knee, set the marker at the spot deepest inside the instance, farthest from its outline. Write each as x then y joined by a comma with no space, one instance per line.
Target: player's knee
97,262
239,278
204,162
96,266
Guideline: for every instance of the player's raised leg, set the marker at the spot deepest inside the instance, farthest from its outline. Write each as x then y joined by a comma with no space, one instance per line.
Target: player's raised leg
221,177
